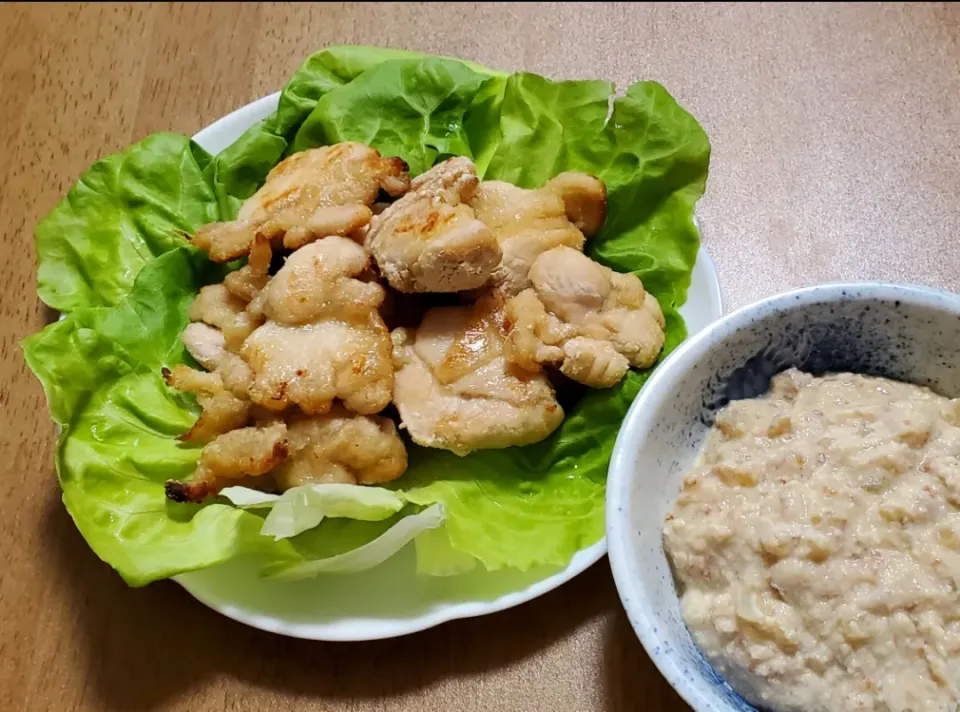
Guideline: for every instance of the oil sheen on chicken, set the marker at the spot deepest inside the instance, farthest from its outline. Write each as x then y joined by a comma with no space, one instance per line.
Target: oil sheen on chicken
312,194
221,412
298,365
456,391
323,338
430,240
232,458
341,447
527,223
591,322
208,348
216,306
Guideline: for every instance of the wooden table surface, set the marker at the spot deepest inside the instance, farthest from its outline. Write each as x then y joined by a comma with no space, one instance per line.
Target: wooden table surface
836,135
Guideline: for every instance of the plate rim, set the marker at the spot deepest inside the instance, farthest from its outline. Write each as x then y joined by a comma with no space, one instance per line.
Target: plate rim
210,138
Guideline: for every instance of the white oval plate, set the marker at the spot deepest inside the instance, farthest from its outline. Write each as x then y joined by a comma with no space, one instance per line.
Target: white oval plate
389,600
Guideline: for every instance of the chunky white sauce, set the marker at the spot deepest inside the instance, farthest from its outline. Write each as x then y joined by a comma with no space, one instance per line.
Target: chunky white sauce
817,544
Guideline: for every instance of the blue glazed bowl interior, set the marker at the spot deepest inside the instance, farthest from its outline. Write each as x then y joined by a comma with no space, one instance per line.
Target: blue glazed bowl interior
905,333
894,338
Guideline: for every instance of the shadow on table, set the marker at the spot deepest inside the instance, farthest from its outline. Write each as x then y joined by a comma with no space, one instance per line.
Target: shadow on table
631,679
147,646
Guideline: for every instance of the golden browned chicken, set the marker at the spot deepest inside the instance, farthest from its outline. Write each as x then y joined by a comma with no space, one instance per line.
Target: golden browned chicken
205,343
244,283
299,363
341,447
323,338
222,322
222,410
527,223
590,321
326,278
221,392
312,194
207,346
230,459
456,391
216,306
430,240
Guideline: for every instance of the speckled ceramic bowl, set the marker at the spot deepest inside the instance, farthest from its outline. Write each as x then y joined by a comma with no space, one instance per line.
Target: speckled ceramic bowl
902,332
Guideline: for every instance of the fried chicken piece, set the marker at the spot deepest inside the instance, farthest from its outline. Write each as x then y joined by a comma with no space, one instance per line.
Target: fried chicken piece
222,410
321,280
456,391
324,338
205,343
222,392
314,364
222,320
208,348
216,306
590,321
232,458
527,223
312,194
246,282
584,199
430,240
341,447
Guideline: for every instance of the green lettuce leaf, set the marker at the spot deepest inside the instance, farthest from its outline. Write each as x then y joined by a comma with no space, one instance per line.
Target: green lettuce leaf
125,211
520,507
650,152
547,127
335,67
240,169
131,207
436,555
237,171
100,368
543,503
413,108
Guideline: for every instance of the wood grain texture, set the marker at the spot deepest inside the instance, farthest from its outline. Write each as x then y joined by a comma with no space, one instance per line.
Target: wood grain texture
836,134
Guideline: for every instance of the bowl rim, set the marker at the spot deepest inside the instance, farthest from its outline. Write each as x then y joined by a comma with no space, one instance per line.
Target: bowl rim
639,419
